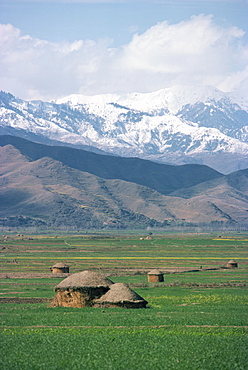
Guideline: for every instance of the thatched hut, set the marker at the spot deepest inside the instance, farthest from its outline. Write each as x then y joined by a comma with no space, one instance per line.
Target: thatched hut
232,264
80,289
59,268
120,295
155,276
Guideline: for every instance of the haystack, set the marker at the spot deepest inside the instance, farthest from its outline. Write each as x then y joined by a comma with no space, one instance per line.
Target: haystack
80,289
120,295
155,276
232,264
59,268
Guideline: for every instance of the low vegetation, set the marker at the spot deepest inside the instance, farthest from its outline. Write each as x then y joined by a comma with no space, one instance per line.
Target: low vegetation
196,318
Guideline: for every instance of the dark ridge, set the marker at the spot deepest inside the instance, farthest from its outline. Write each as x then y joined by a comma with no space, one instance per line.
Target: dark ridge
160,177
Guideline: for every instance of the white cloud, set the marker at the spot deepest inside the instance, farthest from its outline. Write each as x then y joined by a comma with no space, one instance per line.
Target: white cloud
194,51
40,69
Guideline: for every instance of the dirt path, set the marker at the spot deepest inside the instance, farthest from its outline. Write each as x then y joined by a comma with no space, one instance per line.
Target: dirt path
31,275
24,300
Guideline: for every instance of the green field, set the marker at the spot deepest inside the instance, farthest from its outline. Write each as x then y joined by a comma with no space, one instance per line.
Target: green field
194,320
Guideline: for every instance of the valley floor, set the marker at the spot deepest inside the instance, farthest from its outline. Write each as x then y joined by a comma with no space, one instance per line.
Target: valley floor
194,320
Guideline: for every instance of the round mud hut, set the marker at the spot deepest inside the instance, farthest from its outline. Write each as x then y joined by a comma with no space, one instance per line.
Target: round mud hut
59,268
80,289
232,264
155,276
120,295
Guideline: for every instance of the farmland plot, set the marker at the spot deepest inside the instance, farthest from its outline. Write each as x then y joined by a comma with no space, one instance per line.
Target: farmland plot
194,320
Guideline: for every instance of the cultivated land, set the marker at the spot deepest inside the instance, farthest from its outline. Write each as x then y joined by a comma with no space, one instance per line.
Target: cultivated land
196,319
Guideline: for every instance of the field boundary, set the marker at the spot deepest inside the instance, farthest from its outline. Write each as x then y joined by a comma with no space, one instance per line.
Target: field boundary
122,326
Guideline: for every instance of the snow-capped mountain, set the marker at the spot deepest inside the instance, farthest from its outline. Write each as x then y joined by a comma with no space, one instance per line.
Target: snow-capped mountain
177,125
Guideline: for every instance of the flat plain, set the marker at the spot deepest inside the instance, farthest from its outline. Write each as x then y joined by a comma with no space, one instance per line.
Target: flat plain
196,318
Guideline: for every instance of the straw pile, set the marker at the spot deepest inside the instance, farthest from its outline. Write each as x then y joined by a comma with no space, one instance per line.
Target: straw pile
80,289
84,279
155,276
59,267
89,288
232,264
120,295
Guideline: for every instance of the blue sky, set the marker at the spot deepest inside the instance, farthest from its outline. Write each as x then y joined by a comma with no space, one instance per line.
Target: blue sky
72,20
54,48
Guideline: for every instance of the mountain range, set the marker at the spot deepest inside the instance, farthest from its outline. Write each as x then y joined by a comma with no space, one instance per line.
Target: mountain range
178,125
44,186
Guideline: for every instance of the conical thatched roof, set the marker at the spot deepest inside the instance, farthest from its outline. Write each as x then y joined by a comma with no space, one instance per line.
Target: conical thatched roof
86,278
59,265
232,261
120,292
155,272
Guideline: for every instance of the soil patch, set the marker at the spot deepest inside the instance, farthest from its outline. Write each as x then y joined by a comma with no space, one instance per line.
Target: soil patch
30,275
24,300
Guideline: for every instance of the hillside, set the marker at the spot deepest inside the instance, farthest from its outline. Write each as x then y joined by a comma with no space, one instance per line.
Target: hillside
227,195
46,193
160,177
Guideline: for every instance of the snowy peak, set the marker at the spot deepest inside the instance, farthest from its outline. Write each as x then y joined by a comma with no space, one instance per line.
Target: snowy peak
182,122
170,99
77,99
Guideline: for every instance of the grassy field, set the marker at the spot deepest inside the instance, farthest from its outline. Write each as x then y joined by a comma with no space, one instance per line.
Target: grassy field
37,254
194,320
